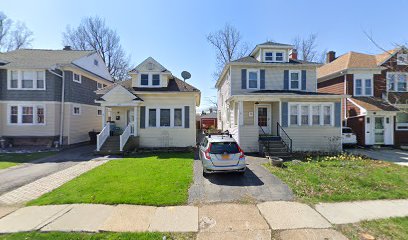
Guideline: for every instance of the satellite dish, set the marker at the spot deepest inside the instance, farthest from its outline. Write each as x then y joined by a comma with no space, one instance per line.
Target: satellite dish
186,75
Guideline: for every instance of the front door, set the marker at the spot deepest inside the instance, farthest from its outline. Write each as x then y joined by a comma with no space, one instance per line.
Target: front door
263,118
379,130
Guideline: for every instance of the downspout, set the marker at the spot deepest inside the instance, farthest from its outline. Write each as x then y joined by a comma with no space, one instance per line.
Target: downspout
61,132
345,99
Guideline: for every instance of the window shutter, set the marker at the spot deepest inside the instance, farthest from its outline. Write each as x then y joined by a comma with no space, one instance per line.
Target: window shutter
303,79
262,79
337,114
186,116
142,117
243,78
286,80
285,114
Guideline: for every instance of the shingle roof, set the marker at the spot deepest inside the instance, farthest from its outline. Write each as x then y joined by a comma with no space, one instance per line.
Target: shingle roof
151,60
291,92
40,58
270,43
398,97
250,59
374,104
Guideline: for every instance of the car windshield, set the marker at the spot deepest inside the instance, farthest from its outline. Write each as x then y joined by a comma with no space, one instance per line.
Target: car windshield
224,147
347,130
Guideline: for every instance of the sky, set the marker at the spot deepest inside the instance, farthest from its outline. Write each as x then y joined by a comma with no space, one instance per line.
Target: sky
174,32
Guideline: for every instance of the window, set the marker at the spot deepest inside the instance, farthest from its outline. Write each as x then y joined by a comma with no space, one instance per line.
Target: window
327,115
294,115
402,59
253,79
164,117
152,117
294,79
316,115
268,56
178,117
156,80
402,120
96,63
279,57
391,81
40,79
76,78
363,86
397,81
144,79
402,83
99,85
14,79
304,115
76,110
27,80
26,115
99,112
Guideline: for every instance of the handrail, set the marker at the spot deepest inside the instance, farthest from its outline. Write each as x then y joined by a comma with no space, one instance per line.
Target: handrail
285,137
261,129
125,136
102,136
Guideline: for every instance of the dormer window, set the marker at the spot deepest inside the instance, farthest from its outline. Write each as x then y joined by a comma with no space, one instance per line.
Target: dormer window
279,57
269,57
144,79
274,57
156,80
151,80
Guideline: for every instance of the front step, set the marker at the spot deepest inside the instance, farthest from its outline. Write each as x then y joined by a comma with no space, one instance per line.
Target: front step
111,146
273,146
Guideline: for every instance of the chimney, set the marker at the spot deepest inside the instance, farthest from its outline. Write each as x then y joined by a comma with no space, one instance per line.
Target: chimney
331,56
293,54
67,48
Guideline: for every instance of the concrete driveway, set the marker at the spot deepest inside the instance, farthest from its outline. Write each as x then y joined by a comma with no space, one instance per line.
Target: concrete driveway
16,177
257,185
396,156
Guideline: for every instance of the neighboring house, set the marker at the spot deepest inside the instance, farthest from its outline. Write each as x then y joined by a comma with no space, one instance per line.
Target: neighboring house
48,95
155,108
208,120
272,95
377,110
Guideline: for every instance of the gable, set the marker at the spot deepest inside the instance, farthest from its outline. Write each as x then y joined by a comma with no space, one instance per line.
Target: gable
119,94
149,65
95,64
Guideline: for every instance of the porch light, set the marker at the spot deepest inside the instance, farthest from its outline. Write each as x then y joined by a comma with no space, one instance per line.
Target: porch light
256,103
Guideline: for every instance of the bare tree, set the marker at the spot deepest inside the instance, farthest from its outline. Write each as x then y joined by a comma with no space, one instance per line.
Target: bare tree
228,45
212,102
93,34
13,35
307,48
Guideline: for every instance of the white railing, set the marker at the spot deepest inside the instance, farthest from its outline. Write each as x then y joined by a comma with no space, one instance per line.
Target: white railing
125,136
102,136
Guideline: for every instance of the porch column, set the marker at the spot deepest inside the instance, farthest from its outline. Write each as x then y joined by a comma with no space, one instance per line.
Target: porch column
241,113
103,116
135,121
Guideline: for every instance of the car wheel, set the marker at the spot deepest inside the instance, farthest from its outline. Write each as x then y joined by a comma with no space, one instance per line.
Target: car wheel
205,174
241,173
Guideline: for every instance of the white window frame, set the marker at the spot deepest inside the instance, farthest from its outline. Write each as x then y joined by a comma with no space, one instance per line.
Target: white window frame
401,126
299,72
310,114
363,78
283,56
97,111
396,80
20,79
258,80
150,80
73,110
99,85
77,74
20,114
272,56
147,117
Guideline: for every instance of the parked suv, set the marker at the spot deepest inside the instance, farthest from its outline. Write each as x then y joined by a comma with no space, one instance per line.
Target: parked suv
221,153
348,136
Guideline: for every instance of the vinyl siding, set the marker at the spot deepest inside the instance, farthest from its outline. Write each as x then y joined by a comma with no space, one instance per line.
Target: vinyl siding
315,138
224,92
83,92
78,126
248,138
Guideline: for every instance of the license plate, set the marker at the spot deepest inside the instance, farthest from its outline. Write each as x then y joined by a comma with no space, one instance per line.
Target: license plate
225,157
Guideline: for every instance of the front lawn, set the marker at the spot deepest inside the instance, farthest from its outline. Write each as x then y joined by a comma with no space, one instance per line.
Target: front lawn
392,228
12,159
94,236
162,179
343,178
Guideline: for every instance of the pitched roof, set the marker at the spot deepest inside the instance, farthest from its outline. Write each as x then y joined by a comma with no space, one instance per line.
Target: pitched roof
374,104
291,92
250,59
270,43
149,60
41,58
354,60
398,97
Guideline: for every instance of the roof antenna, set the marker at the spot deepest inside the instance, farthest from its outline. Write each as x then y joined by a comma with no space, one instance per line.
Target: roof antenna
185,75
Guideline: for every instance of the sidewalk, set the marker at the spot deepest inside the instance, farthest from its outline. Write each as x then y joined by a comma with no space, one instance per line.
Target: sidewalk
290,220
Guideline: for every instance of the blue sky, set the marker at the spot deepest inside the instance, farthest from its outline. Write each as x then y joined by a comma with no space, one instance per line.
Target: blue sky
174,32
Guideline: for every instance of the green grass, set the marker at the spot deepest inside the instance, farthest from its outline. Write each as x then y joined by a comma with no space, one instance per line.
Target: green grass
12,159
93,236
343,178
160,180
392,228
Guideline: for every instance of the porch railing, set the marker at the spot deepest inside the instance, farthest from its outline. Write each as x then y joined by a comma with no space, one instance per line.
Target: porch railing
125,136
102,136
284,136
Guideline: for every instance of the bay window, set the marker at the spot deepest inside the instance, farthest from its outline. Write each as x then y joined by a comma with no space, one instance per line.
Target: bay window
310,114
26,80
397,81
26,114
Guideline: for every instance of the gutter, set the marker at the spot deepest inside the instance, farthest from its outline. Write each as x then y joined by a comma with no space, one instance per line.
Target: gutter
61,132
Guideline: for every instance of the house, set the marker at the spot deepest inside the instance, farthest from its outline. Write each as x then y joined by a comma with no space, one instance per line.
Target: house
47,96
377,109
154,109
270,95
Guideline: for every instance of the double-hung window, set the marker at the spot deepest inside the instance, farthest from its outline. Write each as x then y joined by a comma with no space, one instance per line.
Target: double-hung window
397,81
26,80
363,85
279,57
310,114
294,80
315,114
253,79
144,79
156,79
77,77
178,117
274,56
268,56
327,115
152,118
402,83
304,111
294,114
26,114
164,117
13,79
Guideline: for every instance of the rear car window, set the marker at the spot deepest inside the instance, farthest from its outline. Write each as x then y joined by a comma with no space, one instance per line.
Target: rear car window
347,130
224,147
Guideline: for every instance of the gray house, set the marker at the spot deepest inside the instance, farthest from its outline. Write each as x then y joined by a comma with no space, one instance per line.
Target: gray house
49,95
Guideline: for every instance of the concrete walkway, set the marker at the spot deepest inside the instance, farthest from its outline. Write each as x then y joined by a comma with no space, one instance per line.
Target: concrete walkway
396,156
289,220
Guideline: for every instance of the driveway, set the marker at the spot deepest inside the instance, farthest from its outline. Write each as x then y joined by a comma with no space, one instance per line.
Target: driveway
16,177
396,156
257,185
